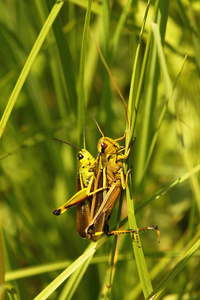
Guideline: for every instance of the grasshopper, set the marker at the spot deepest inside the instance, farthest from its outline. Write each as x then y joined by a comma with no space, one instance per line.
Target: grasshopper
85,188
109,159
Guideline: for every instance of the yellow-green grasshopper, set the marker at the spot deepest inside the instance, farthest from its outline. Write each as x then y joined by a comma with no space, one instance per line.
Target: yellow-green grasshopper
85,187
109,159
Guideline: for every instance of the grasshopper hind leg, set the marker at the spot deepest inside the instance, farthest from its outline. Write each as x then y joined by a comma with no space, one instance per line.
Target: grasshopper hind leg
125,231
148,228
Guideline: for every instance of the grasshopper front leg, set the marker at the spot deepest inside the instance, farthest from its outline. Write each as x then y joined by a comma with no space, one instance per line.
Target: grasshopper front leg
77,198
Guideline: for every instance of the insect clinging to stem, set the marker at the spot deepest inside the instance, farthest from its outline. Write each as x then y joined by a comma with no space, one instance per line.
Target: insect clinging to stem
110,156
99,184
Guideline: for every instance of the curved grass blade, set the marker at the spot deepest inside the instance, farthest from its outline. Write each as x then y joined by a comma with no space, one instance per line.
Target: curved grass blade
66,273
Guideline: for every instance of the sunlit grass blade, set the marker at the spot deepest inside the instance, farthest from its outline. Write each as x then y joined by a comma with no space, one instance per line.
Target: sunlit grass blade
28,64
133,107
169,187
176,269
163,191
73,282
36,270
47,268
80,262
66,273
169,259
138,252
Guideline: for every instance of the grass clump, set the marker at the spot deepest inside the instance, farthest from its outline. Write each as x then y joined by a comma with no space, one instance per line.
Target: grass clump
60,62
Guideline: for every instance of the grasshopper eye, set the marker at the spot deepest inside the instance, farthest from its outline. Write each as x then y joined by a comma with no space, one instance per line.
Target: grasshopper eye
80,156
103,147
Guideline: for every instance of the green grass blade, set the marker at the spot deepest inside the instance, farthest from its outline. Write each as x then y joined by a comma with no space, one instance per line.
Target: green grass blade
138,252
150,83
163,191
36,270
176,269
2,267
28,64
163,64
74,280
120,25
81,83
195,36
169,187
66,60
66,273
133,105
169,259
132,109
161,118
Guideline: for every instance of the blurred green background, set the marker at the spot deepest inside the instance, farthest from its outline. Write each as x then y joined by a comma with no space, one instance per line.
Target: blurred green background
66,83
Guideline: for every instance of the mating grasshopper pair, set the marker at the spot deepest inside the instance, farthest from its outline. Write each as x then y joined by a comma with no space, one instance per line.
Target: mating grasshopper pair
99,184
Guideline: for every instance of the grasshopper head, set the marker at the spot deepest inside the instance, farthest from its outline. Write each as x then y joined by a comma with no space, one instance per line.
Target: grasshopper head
107,145
86,164
85,159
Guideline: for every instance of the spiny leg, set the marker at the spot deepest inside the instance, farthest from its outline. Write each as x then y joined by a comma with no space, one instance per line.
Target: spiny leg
115,232
133,231
151,228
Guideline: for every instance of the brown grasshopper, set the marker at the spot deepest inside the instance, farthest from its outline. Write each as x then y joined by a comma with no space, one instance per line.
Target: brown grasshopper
109,159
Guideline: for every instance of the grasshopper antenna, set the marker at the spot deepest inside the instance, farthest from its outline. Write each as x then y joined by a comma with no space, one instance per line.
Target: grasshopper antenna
98,125
112,79
66,143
